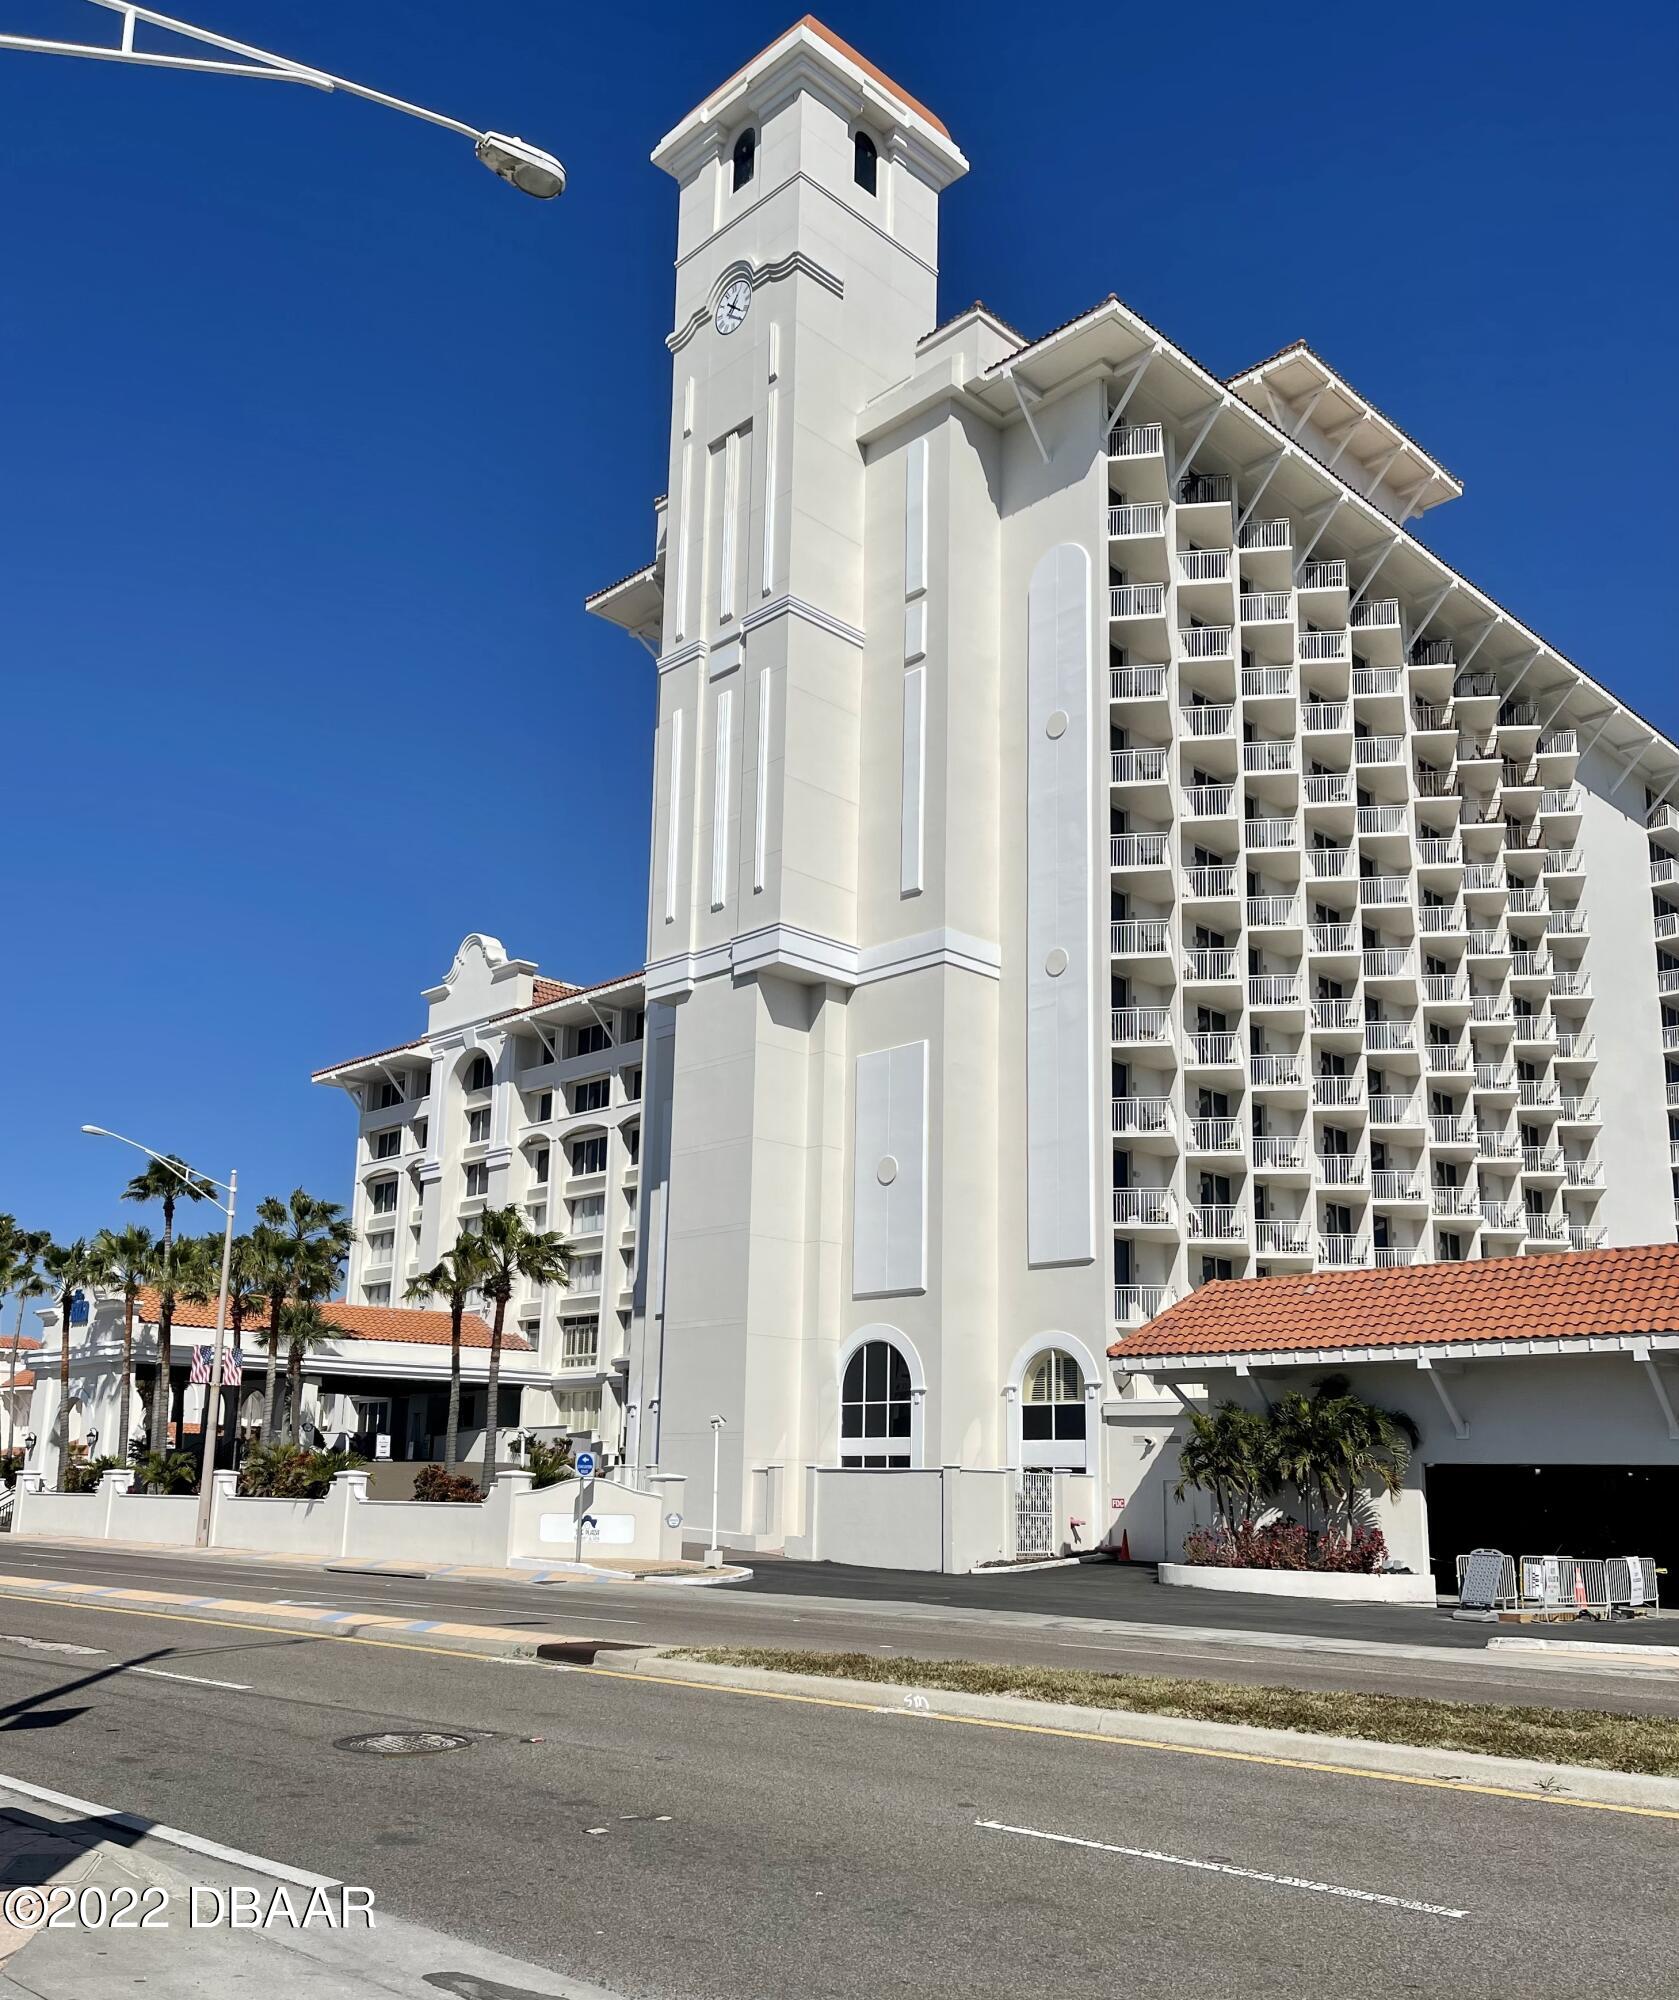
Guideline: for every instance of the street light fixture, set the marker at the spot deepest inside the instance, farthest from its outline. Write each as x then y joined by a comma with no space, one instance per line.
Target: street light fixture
516,161
213,1400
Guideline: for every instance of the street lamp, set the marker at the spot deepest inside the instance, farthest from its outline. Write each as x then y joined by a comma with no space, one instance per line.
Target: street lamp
516,161
713,1557
213,1402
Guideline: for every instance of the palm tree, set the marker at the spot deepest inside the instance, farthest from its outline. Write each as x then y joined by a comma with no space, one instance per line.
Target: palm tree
70,1268
199,1279
271,1274
310,1240
303,1325
1231,1453
128,1261
19,1255
511,1250
166,1181
455,1276
1334,1444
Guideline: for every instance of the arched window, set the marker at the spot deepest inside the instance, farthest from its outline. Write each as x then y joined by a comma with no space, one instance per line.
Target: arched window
875,1407
745,157
1052,1407
865,162
479,1073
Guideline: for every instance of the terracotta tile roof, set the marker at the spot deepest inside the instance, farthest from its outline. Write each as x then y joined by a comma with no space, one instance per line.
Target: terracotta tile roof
546,992
1305,347
23,1379
409,1324
1566,1297
25,1341
851,55
634,576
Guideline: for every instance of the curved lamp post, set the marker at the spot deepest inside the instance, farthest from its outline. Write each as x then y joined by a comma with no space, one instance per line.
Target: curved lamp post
213,1398
516,161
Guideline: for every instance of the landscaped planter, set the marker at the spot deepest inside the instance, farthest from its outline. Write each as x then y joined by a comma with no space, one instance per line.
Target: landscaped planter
1339,1586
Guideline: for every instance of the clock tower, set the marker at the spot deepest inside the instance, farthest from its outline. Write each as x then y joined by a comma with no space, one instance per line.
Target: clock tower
806,274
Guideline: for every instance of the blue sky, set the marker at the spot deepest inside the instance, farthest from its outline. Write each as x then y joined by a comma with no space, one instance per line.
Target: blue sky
313,439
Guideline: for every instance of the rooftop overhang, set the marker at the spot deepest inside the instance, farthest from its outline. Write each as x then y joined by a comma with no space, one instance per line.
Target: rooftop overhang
1397,1354
636,604
417,1362
1298,387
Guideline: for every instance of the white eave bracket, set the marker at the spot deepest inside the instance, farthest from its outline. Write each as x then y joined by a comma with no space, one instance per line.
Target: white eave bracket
1641,1354
1460,1423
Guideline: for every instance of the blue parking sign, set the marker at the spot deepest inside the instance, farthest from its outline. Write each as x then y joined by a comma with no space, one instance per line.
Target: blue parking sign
585,1465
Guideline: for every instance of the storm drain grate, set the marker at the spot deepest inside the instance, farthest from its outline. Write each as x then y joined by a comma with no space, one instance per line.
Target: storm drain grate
403,1743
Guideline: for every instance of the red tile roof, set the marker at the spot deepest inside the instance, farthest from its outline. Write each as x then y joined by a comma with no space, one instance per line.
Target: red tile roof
421,1326
545,993
851,55
1565,1297
23,1379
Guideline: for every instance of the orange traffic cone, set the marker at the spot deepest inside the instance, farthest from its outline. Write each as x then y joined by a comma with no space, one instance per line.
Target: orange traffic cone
1124,1547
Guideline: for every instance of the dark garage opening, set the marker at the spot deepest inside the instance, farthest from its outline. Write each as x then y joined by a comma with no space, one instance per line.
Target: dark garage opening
1553,1510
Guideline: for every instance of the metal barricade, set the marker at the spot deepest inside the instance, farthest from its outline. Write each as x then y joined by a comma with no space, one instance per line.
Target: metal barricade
1491,1580
1630,1582
1584,1586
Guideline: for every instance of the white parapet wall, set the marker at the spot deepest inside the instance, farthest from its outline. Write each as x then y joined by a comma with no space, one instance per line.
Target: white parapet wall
1335,1586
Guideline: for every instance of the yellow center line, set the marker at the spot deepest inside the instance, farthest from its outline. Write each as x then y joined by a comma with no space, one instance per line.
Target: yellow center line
1453,1785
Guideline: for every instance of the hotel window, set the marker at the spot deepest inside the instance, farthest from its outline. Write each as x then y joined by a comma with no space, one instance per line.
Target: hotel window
594,1095
865,162
422,1132
632,1143
875,1407
585,1273
376,1295
1052,1399
579,1343
745,158
383,1195
479,1073
632,1084
477,1127
380,1247
477,1179
635,1025
386,1097
579,1410
386,1145
591,1040
539,1166
544,1106
587,1216
588,1156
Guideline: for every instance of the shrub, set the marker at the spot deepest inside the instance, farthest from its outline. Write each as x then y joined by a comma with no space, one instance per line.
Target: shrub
166,1471
432,1482
11,1464
291,1472
548,1461
1285,1545
84,1474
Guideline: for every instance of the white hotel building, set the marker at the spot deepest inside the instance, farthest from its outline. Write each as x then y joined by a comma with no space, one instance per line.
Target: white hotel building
1097,848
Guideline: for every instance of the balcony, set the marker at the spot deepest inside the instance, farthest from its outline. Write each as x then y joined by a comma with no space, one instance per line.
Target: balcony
1210,965
1527,899
1209,885
1334,940
1143,1208
1276,1237
1561,861
1273,913
1488,944
1387,962
1136,441
1475,687
1279,1153
1343,1253
1329,864
1138,850
1276,1072
1377,614
1443,989
1586,1236
1136,683
1328,574
1273,754
1378,890
1212,1051
1571,983
1135,1027
1341,1169
1333,1015
1454,1203
1534,1094
1217,1225
1267,535
1580,1110
1443,1059
1433,653
1376,680
1215,1135
1206,718
1385,819
1205,489
1202,565
1209,801
1585,1174
1560,804
1205,642
1449,1132
1264,682
1273,989
1432,718
1387,1107
1147,1117
1134,1305
1559,743
1530,965
1565,923
1502,1218
1139,767
1433,852
1395,1184
1325,718
1394,1256
1663,869
1136,600
1324,646
1486,1009
1337,1093
1265,607
1662,819
1389,1037
1129,523
1139,937
1541,1229
1435,918
1269,836
1329,788
1494,1147
1378,749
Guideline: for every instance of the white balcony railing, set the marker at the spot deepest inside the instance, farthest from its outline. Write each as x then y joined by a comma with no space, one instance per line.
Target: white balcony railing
1218,1224
1541,1160
1269,835
1323,718
1334,1013
1382,819
1133,1304
1395,1184
1444,1130
1205,884
1278,1151
1148,1116
1494,1077
1126,523
1265,607
1327,864
1143,1208
1443,987
1205,642
1215,1135
1503,1218
1273,989
1261,681
1277,534
1141,1024
1212,1050
1139,936
1136,600
1273,912
1207,718
1436,853
1272,1071
1378,749
1376,680
1140,683
1387,1107
1343,1253
1387,962
1453,1201
1329,788
1383,889
1138,850
1209,801
1269,754
1375,614
1341,1169
1322,575
1336,938
1210,963
1337,1092
1393,1256
1139,767
1323,646
1444,1060
1136,441
1276,1236
1389,1037
1203,565
1534,1094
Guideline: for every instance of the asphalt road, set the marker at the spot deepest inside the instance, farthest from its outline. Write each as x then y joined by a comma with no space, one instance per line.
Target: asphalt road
1101,1618
679,1843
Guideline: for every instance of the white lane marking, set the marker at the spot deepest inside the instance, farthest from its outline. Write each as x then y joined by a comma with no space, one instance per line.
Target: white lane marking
1227,1868
198,1680
194,1843
51,1645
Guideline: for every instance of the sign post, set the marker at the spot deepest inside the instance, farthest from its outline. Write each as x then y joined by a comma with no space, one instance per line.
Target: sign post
585,1493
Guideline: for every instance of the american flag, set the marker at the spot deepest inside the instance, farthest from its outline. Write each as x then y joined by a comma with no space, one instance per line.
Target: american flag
203,1359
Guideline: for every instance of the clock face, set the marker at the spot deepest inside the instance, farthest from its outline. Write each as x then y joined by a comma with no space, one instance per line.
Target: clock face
733,306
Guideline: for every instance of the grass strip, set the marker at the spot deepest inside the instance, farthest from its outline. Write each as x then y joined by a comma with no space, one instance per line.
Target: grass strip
1642,1743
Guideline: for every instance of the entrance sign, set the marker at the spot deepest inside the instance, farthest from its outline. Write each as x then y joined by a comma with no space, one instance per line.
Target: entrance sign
585,1465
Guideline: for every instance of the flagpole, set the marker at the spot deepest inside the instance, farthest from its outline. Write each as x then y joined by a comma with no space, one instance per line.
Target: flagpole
213,1409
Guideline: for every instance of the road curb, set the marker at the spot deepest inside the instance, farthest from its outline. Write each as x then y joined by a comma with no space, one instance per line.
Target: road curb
431,1635
1566,1784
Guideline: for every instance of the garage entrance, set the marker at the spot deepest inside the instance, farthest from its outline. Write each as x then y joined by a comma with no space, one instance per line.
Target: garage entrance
1539,1510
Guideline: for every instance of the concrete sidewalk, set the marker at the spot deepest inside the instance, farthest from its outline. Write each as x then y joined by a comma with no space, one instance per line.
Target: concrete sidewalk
299,1933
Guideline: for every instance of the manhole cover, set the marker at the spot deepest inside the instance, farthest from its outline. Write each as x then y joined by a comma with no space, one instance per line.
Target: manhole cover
403,1743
